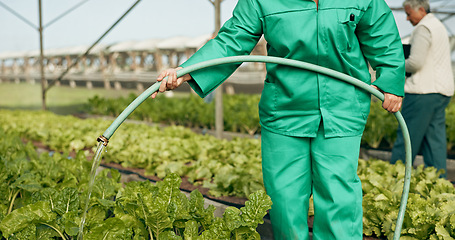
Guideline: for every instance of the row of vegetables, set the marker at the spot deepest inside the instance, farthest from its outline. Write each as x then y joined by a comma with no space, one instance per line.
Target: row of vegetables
241,115
228,168
43,197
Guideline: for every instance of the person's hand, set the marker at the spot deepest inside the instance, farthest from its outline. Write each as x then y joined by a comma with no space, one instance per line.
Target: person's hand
392,102
172,82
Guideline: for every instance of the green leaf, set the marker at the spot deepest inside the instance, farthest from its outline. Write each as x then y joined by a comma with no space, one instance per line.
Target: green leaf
66,201
169,188
205,216
69,180
246,233
4,187
443,233
111,229
158,221
28,233
131,201
156,218
70,223
191,230
105,187
22,217
46,194
3,211
129,194
218,230
44,232
256,208
178,210
169,235
106,204
138,227
28,181
232,218
95,215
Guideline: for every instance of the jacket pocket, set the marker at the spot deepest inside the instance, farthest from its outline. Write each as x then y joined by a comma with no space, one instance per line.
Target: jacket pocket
268,102
363,100
347,23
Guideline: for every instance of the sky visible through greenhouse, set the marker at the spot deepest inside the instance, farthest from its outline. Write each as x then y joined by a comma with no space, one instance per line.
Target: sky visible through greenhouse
149,19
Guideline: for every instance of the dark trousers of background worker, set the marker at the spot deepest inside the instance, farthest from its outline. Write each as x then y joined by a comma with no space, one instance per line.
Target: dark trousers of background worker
424,115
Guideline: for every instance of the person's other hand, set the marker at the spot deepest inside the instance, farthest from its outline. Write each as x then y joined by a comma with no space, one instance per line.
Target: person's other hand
392,102
172,82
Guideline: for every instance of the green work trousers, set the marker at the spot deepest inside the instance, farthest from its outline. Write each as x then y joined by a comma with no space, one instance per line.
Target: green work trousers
296,167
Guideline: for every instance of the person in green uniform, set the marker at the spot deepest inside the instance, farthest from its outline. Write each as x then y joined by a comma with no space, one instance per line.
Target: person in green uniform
311,123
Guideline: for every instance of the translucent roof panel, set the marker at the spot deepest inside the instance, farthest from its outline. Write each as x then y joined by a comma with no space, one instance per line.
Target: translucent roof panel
122,46
199,41
174,43
12,54
149,45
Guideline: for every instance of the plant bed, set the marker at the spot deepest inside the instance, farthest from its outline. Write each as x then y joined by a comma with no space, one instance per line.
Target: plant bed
241,115
43,197
184,186
431,201
264,230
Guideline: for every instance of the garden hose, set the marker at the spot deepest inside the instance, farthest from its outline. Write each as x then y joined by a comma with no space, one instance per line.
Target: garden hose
293,63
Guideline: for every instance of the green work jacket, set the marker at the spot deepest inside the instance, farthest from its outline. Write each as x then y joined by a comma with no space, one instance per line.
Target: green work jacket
343,35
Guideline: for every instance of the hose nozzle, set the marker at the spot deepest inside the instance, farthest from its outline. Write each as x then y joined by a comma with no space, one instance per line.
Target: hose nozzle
103,139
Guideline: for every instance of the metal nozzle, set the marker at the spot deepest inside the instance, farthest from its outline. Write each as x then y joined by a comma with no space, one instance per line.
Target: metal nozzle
103,139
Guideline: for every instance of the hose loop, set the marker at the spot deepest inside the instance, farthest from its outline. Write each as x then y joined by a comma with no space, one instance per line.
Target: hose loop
292,63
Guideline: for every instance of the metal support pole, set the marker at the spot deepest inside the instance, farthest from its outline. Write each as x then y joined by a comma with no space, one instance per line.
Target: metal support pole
43,78
40,29
219,118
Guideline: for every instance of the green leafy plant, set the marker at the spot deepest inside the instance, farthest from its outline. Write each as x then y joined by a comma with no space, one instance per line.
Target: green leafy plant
240,111
228,168
241,115
381,127
430,205
29,179
450,119
41,198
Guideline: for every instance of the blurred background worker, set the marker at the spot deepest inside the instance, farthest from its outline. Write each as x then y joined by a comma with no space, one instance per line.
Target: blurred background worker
428,90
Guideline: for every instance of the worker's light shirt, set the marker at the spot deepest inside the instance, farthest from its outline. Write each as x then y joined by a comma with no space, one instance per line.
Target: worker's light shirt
340,34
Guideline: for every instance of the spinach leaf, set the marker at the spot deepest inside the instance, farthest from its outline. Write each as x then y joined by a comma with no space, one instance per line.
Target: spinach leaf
66,201
25,216
110,229
28,233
